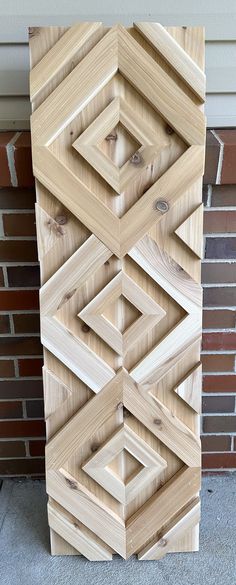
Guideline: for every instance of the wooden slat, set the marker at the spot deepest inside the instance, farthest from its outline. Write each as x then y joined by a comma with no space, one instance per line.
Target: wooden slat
59,55
190,229
78,536
188,388
162,507
162,423
164,95
174,55
186,519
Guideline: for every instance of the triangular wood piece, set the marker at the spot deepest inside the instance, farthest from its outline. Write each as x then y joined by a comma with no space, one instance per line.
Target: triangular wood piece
57,395
188,389
48,231
190,231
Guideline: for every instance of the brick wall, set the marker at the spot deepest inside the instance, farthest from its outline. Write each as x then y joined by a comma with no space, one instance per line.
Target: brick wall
22,428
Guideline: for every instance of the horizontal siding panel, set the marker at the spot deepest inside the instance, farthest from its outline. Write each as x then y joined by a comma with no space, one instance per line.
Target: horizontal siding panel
221,110
220,68
219,18
14,57
14,113
14,83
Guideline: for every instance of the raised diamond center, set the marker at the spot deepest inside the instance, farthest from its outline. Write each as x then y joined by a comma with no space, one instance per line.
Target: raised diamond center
125,466
121,313
119,145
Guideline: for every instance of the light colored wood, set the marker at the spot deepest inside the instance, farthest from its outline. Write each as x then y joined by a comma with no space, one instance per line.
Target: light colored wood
88,144
57,393
186,519
98,465
118,167
188,389
190,229
175,56
78,536
121,284
162,423
62,52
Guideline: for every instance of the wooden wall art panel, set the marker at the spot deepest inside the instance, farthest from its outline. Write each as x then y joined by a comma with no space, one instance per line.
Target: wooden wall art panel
118,135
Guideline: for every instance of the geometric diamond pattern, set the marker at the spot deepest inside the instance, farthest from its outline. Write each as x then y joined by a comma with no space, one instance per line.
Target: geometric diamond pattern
87,144
123,450
125,438
122,284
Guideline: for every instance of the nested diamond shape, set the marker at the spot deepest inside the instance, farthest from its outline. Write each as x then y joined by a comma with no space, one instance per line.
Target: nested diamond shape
117,51
122,284
87,144
125,439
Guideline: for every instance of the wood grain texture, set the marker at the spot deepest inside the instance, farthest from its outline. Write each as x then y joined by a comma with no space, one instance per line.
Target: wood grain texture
118,136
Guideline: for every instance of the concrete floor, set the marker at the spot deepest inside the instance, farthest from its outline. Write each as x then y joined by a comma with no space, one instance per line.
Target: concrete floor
24,548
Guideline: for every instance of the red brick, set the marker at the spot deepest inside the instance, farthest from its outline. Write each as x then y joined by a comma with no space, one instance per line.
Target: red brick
14,467
221,319
5,177
223,196
218,363
217,272
221,248
7,369
12,449
21,276
19,224
219,222
26,323
220,296
17,198
37,448
21,389
216,443
219,424
10,409
4,324
219,341
22,428
228,171
18,250
19,299
218,404
219,383
219,460
23,161
212,157
21,346
34,408
32,367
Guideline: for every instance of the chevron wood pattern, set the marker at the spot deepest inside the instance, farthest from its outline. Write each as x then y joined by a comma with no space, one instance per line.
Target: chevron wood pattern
118,135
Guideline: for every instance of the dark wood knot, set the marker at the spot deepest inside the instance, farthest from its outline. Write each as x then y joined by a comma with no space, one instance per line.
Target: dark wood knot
162,542
111,136
61,219
94,447
136,158
162,206
157,421
72,484
169,130
85,328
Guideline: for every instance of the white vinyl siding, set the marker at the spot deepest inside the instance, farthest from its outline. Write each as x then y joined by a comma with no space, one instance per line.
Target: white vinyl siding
219,19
